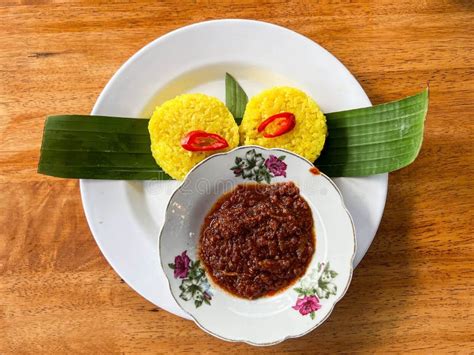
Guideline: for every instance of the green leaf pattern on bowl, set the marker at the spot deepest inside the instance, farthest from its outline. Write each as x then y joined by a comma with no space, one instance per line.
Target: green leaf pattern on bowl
319,284
253,166
194,286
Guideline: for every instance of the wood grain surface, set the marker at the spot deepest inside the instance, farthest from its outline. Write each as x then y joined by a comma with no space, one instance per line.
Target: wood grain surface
414,291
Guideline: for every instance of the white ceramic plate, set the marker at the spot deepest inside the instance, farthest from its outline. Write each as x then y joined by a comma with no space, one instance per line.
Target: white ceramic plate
290,313
126,216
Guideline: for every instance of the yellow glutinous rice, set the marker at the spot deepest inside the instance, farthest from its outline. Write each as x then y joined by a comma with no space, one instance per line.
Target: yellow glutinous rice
306,138
177,117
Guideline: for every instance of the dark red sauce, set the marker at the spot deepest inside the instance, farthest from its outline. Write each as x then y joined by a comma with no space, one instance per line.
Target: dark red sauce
314,170
258,239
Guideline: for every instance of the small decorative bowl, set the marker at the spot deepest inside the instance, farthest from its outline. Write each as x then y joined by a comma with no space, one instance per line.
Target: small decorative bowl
269,320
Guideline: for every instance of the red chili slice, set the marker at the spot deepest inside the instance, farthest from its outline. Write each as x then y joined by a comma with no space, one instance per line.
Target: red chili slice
284,121
201,141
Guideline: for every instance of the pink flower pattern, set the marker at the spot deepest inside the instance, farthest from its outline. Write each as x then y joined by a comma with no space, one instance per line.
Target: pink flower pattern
181,265
276,166
194,284
307,305
254,166
318,284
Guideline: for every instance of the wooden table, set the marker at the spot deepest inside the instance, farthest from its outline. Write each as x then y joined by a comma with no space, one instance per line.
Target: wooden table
413,291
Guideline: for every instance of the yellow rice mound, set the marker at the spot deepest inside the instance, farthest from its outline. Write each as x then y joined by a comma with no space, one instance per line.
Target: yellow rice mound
177,117
306,138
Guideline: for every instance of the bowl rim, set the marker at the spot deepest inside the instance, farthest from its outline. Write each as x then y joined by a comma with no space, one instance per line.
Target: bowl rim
334,302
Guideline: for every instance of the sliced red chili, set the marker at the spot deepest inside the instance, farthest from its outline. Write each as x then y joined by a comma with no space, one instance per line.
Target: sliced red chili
201,141
284,122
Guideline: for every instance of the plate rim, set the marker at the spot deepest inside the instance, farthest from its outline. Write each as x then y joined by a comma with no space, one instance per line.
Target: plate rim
106,90
334,301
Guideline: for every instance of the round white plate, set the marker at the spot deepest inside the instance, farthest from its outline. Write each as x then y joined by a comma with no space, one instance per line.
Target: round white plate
290,313
125,216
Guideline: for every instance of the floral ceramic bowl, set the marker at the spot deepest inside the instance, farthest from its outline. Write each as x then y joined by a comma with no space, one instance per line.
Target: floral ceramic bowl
269,320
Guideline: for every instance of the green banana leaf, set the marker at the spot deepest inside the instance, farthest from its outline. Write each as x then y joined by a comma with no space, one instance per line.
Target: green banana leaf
360,142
